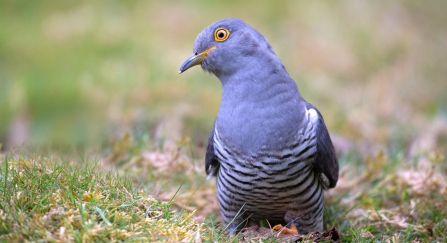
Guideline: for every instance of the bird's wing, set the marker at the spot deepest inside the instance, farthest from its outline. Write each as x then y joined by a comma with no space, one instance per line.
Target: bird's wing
326,161
211,162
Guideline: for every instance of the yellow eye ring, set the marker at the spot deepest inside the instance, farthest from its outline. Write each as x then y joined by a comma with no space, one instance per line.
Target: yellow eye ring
221,34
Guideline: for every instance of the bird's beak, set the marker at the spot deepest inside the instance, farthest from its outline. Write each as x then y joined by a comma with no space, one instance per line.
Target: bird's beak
195,59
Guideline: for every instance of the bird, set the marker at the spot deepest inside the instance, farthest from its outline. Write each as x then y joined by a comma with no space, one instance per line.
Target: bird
269,149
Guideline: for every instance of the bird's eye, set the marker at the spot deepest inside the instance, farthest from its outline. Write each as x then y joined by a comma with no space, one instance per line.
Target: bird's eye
221,34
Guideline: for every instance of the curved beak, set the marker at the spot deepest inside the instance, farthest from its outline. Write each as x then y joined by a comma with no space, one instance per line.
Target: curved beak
195,59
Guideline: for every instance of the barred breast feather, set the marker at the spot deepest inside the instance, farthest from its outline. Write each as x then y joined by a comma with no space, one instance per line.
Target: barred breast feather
271,185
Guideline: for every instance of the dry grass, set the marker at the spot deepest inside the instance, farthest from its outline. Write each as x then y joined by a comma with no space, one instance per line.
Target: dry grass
382,197
156,190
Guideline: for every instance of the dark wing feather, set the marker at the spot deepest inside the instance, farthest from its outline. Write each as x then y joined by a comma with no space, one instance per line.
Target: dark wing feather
326,160
211,162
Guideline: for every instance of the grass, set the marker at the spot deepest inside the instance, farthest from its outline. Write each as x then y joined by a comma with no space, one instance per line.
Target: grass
393,198
54,201
100,78
146,190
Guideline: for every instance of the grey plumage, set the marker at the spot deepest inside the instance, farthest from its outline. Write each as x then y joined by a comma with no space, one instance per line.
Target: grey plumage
269,148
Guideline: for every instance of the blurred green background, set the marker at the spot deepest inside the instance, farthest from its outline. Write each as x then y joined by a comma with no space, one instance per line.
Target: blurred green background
78,73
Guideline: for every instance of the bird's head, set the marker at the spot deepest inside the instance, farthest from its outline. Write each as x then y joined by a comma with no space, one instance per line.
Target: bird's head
228,46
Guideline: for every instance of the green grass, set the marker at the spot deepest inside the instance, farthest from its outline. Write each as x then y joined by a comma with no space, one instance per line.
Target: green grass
55,201
145,190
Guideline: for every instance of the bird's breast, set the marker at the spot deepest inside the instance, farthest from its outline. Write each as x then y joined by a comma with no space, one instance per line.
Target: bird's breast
266,178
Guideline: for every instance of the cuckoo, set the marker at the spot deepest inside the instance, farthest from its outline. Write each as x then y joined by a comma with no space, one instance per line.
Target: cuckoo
269,149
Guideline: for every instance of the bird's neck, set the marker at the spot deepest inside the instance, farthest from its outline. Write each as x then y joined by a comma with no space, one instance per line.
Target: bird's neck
258,91
259,79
